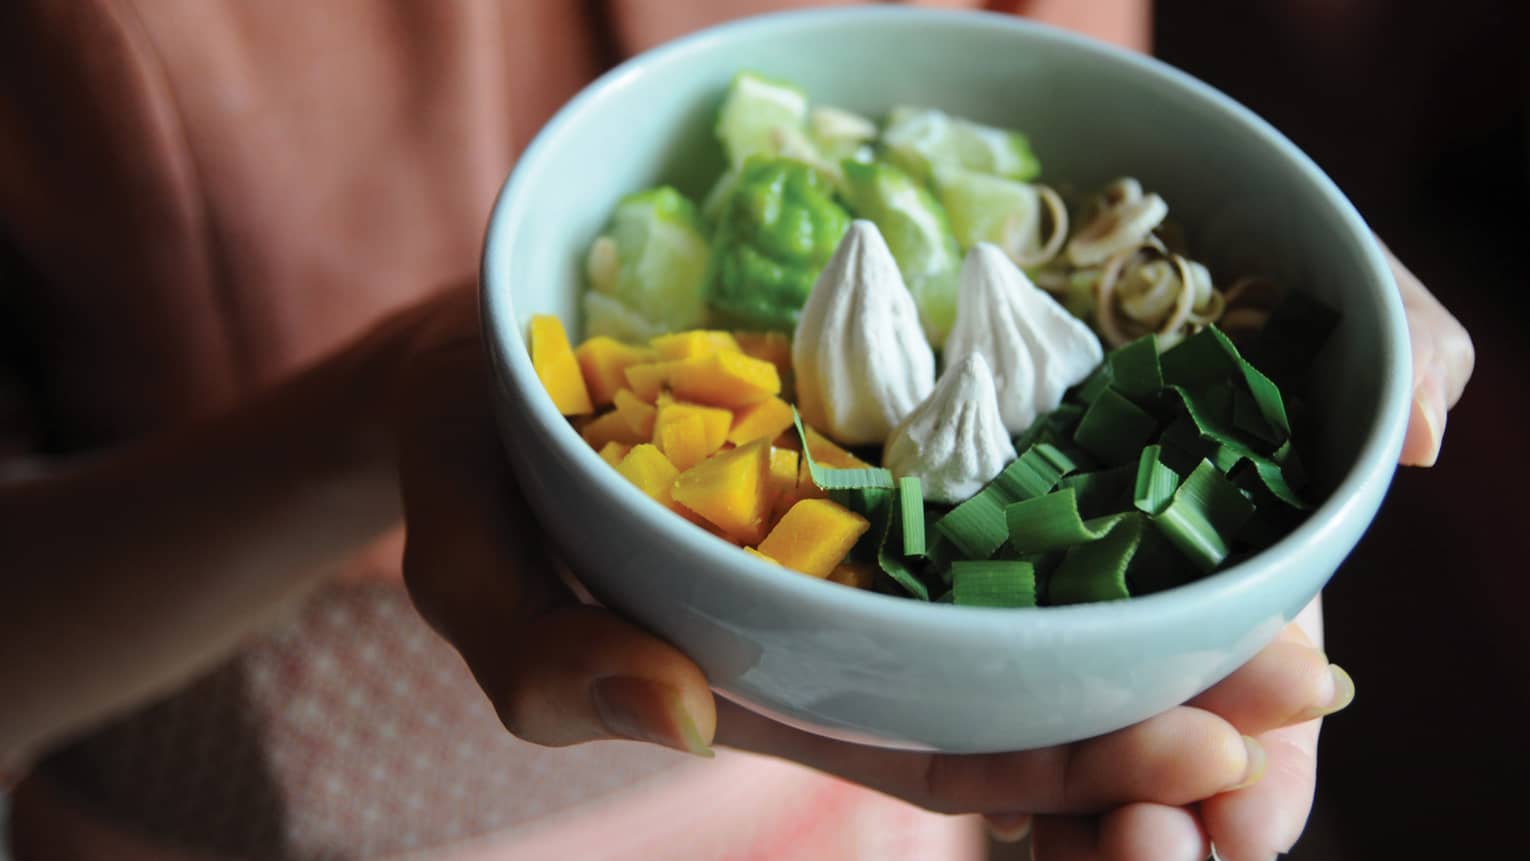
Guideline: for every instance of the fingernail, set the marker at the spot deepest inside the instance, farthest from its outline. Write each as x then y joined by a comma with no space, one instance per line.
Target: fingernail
1343,694
1008,827
1256,763
644,710
1428,412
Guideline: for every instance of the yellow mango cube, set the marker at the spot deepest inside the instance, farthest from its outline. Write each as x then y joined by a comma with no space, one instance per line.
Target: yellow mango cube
729,489
608,428
604,360
766,419
715,422
613,452
814,536
724,379
647,380
857,575
773,347
553,359
783,478
638,415
826,452
648,468
683,439
693,344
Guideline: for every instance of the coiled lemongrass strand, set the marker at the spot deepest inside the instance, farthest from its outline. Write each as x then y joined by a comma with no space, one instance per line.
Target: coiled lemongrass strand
1149,291
1106,318
1058,211
1117,228
1174,324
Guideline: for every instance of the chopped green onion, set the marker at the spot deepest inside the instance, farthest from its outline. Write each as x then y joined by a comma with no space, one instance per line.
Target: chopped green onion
831,478
1135,369
1090,388
1050,522
1097,571
891,552
993,584
977,526
1205,514
1114,429
1156,482
911,500
872,503
1103,491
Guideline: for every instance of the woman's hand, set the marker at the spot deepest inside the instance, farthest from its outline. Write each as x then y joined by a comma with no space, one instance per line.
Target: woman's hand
561,673
1443,358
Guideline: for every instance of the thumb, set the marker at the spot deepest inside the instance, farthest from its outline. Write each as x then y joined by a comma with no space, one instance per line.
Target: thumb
476,566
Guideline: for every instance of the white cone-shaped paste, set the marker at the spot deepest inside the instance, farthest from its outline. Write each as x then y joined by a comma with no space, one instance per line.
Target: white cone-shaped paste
1037,350
954,441
859,355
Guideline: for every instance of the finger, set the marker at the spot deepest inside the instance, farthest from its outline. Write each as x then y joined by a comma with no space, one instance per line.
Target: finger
1177,757
1150,832
1426,417
556,672
1288,682
1134,832
1008,827
1255,823
1446,345
1443,359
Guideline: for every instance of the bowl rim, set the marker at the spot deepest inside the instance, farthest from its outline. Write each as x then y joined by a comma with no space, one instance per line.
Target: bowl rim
1362,486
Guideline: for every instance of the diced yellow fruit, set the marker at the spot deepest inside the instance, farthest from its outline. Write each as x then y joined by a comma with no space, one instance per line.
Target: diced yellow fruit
753,552
603,361
647,379
806,488
729,490
814,536
639,416
693,344
724,379
783,478
715,422
553,359
648,468
766,419
613,452
610,427
857,575
826,452
773,347
683,440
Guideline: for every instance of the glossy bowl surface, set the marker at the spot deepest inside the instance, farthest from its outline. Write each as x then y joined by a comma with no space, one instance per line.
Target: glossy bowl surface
892,671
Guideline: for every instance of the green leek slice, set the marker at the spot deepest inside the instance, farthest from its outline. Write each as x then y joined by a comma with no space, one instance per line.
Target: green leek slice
1135,371
977,527
911,514
1114,429
834,478
1206,513
1155,484
1097,571
993,583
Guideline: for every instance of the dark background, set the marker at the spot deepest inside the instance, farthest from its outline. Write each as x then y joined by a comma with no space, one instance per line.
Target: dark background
1419,112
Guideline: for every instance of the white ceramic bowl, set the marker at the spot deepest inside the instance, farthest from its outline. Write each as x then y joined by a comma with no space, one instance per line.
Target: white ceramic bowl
893,671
